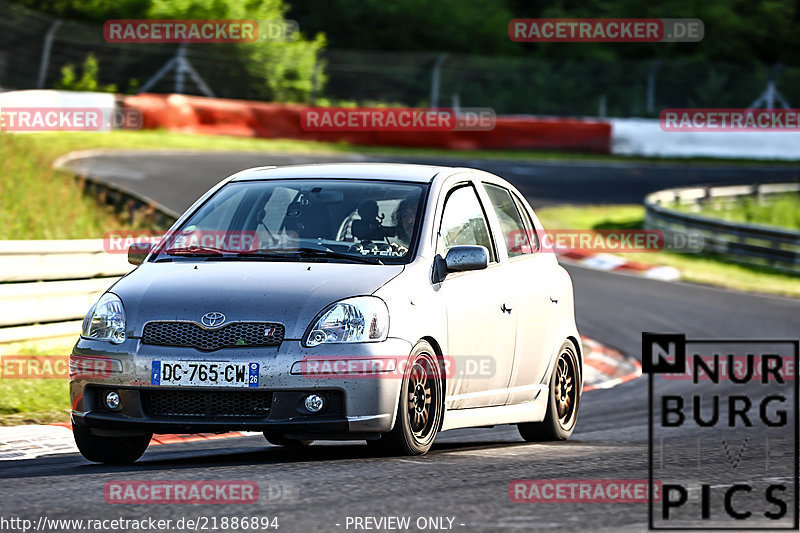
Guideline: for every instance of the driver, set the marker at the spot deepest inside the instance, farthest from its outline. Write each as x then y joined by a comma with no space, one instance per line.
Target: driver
371,236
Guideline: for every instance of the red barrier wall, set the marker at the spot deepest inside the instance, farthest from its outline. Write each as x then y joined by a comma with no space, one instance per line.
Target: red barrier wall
214,116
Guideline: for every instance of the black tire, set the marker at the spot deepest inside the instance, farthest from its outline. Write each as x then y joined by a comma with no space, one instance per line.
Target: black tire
110,450
279,440
420,406
563,403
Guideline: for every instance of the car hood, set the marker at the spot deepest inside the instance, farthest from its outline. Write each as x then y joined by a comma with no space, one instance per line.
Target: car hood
290,293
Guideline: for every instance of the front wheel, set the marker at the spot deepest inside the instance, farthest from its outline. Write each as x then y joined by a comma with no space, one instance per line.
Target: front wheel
563,403
420,408
110,450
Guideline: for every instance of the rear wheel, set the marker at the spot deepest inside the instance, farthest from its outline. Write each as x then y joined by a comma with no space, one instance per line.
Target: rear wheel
279,440
110,450
420,408
563,403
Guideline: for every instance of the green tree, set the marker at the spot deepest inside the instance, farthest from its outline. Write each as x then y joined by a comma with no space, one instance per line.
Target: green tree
284,67
736,31
88,79
97,11
467,26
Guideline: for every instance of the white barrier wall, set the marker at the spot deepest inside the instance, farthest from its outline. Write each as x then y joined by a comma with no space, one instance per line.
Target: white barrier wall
644,137
46,287
60,99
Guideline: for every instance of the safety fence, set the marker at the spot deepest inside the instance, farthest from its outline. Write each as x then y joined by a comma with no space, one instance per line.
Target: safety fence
34,48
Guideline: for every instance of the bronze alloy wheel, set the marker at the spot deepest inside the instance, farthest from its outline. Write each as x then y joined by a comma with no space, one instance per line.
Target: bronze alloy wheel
420,407
423,395
566,389
563,402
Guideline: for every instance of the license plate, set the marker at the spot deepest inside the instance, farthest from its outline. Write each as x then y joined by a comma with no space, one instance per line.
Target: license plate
204,374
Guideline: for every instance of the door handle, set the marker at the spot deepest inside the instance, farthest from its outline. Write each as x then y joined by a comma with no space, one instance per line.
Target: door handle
553,300
504,308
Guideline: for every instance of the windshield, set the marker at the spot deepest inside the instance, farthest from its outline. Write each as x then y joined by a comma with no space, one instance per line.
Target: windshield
319,219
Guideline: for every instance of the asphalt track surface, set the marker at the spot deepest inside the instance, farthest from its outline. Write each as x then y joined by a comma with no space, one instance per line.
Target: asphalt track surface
466,476
176,179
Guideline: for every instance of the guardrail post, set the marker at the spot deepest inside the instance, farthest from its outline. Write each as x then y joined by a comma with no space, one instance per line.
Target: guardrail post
435,75
708,197
758,193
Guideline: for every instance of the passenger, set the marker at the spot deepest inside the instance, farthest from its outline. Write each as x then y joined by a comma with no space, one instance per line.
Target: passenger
404,218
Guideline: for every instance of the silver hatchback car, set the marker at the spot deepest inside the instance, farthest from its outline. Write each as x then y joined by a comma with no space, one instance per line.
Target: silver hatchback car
376,302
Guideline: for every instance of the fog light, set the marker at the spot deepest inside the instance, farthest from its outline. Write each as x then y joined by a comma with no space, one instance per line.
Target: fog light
112,400
314,403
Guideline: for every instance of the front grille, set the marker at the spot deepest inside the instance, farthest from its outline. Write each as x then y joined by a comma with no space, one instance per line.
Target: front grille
174,333
207,403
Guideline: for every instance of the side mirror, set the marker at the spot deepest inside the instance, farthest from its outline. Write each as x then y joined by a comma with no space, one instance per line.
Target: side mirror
138,251
463,258
460,259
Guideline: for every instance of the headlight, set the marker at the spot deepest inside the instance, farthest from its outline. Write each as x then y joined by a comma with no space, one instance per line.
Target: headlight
359,319
105,321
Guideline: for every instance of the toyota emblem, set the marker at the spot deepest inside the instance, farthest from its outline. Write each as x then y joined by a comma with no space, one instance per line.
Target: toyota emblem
212,319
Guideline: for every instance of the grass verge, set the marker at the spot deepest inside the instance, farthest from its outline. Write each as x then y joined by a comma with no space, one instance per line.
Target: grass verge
781,210
37,202
698,268
35,401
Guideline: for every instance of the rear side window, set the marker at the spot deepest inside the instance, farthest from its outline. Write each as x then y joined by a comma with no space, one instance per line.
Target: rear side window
515,231
463,222
533,237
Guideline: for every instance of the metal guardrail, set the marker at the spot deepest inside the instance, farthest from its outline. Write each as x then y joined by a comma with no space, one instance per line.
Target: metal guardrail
46,287
127,203
750,244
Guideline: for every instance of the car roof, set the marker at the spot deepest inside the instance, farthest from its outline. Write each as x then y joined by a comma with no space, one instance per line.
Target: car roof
382,171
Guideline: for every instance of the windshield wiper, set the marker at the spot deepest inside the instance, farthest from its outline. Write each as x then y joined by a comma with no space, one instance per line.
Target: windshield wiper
195,250
206,251
316,252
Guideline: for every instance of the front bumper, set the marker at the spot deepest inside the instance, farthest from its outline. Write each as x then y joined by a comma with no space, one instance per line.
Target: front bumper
361,405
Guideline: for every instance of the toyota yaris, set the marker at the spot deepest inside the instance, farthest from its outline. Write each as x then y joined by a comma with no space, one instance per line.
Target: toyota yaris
373,302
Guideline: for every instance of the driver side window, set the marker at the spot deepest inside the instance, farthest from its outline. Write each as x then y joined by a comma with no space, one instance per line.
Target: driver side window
463,222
